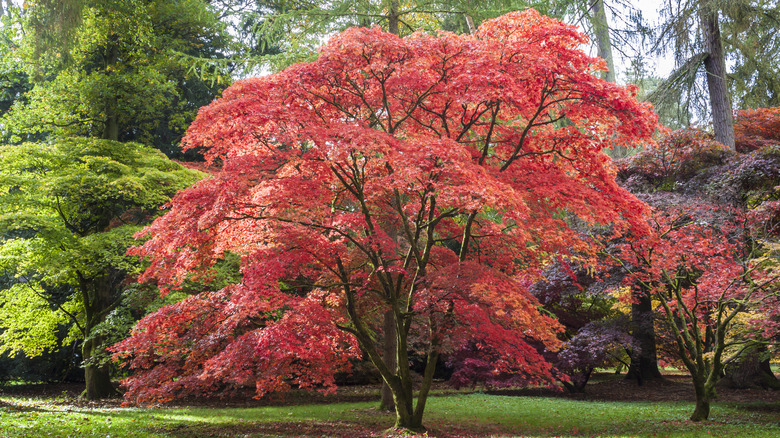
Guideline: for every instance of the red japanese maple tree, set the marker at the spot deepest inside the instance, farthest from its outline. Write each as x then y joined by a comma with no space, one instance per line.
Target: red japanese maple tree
430,177
717,288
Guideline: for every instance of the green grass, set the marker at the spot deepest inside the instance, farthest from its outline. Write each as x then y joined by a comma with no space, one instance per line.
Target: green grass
454,415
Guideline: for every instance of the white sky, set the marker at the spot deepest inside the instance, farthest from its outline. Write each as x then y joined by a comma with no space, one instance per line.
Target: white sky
655,65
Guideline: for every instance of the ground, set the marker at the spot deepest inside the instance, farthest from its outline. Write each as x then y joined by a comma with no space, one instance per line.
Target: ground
611,406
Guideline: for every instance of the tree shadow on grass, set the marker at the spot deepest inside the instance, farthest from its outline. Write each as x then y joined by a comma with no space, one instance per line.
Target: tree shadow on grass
762,407
13,407
335,429
312,428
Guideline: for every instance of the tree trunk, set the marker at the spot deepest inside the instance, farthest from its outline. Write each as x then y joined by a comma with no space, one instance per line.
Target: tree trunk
388,354
598,19
702,411
98,378
751,371
408,416
644,363
704,394
470,24
715,66
393,18
600,25
111,122
98,296
391,399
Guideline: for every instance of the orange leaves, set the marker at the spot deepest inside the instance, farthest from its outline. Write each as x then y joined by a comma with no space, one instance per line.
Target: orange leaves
756,128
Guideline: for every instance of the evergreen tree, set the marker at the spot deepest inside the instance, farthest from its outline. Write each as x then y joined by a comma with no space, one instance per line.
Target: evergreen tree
702,35
106,70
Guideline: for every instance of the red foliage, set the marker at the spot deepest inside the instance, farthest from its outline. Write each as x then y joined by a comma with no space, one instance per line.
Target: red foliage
680,155
420,175
714,293
756,128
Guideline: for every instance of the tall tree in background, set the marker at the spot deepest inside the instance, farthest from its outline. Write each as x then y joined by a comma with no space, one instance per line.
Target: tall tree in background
600,26
702,34
692,31
715,68
105,70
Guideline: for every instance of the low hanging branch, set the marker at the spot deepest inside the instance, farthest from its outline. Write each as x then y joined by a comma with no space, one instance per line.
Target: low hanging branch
681,77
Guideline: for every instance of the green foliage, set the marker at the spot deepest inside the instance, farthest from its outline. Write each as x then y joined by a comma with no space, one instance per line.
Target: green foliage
69,212
750,30
277,34
14,81
673,110
120,80
224,272
30,325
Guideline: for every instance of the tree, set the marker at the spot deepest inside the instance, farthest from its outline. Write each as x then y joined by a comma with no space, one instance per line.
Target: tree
749,32
105,70
715,67
749,35
68,214
426,176
708,284
596,331
693,51
688,166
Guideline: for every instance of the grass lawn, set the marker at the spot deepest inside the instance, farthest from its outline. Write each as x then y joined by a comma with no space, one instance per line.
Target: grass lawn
453,415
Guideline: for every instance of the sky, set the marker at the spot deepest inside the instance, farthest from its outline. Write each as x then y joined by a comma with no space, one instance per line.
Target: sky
659,66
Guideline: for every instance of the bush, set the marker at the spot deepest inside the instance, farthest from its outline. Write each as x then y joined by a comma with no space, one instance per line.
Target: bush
680,156
756,128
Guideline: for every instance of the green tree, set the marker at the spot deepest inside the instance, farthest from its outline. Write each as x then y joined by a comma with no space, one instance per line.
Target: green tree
68,212
108,70
750,34
14,81
702,35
